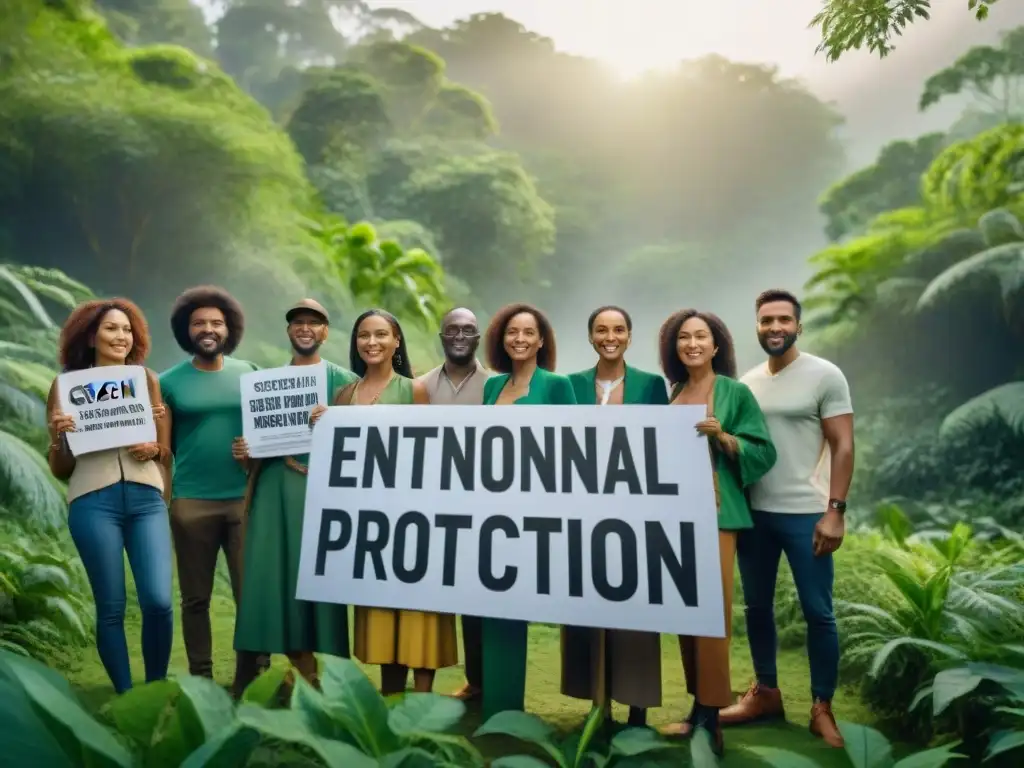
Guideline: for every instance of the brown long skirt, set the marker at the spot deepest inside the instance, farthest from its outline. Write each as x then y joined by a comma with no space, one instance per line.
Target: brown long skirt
632,662
706,659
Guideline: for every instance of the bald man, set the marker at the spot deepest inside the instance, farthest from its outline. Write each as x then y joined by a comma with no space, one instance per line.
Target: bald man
459,380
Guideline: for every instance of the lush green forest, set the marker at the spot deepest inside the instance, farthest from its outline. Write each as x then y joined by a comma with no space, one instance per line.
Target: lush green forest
144,150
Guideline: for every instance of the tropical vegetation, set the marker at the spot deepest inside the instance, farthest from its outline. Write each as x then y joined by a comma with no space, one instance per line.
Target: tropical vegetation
144,149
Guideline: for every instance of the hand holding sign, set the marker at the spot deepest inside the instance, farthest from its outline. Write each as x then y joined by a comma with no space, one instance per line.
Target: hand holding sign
61,423
109,408
314,415
144,451
709,427
240,449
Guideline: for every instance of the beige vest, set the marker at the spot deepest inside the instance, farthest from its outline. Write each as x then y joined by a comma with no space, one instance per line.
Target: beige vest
94,471
443,392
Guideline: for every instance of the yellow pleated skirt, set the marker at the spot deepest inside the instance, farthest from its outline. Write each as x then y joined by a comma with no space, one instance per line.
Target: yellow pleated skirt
413,639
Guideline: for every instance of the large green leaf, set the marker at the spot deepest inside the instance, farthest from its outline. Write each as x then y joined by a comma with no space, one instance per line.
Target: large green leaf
264,689
1003,742
1002,266
137,713
354,699
56,705
230,748
525,727
285,725
36,311
24,738
781,758
26,485
425,713
931,758
1005,401
866,747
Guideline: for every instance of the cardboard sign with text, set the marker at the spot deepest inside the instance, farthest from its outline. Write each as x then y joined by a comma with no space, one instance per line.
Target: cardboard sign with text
110,405
576,515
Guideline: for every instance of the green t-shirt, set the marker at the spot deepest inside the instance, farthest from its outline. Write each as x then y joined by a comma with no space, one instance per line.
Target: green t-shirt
206,414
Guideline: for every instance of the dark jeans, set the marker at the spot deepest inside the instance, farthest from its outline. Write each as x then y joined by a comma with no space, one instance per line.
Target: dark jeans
132,518
759,550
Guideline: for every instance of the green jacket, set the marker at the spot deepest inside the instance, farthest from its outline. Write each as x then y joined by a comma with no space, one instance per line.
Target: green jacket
546,388
739,414
640,387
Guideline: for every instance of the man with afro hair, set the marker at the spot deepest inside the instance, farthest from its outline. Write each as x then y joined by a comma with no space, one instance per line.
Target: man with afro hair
203,397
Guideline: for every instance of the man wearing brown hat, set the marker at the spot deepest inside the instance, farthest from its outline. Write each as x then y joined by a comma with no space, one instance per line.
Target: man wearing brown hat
270,618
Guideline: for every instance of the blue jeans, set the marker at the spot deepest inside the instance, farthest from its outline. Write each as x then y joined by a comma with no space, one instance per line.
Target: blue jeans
758,551
132,518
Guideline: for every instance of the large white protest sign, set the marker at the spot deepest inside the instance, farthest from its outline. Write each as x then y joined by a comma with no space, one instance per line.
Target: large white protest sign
275,408
110,405
577,515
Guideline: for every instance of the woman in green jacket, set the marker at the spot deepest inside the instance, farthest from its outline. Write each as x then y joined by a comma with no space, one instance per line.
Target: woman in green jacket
620,665
520,345
699,360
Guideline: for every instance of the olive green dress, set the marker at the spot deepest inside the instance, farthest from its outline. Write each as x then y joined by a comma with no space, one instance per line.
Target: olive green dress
270,618
413,639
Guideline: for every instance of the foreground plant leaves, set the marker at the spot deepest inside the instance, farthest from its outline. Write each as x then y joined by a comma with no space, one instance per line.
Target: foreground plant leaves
136,714
781,758
701,753
263,690
231,748
352,698
285,725
25,738
84,740
525,727
200,712
425,713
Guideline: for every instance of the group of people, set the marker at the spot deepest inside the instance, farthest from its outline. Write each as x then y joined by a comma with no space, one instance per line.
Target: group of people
780,447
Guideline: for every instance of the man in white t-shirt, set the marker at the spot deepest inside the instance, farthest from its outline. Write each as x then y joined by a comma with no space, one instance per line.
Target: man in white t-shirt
798,511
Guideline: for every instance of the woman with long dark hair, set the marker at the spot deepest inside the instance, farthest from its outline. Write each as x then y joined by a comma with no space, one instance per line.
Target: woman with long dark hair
116,497
699,360
520,345
397,640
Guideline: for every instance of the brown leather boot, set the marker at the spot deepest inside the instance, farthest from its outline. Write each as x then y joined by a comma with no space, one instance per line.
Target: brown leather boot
823,724
757,704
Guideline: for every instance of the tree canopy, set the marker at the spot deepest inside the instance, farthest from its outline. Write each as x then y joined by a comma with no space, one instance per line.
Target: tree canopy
851,25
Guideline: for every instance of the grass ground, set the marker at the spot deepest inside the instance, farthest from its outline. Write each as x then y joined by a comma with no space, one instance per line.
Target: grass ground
543,698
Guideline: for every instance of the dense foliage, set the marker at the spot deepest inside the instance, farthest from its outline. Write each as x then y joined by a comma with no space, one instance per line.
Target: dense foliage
143,150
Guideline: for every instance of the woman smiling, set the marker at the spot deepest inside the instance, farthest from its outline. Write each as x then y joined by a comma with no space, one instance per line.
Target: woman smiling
520,346
619,665
397,640
699,360
115,497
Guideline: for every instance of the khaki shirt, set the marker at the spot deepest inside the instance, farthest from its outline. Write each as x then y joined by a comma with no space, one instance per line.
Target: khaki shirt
443,391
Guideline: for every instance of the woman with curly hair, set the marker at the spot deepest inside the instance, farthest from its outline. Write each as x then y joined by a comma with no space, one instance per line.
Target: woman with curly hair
520,345
205,402
699,360
397,640
115,496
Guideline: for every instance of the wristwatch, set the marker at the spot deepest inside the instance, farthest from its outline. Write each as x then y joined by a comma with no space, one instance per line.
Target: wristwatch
838,505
